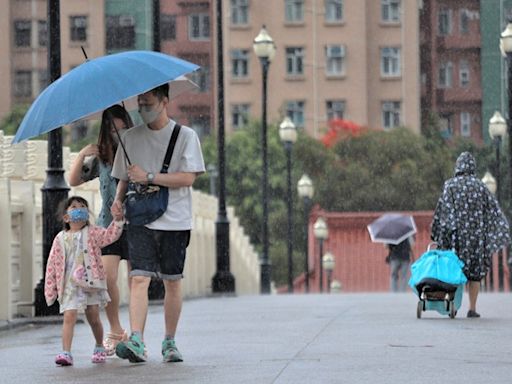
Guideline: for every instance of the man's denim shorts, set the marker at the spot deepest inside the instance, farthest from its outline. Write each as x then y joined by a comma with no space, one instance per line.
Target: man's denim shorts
157,253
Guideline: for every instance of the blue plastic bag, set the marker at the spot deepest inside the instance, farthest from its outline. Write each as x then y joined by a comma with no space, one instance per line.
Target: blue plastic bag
438,264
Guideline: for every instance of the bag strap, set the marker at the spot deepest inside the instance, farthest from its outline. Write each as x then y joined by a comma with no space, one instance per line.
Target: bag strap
170,148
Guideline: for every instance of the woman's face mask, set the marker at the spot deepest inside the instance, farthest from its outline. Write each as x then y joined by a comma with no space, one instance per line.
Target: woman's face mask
78,214
148,113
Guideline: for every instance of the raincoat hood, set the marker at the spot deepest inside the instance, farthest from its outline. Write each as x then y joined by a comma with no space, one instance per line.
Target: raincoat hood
465,164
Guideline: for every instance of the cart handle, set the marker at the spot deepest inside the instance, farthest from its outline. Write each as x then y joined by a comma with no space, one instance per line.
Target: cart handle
431,244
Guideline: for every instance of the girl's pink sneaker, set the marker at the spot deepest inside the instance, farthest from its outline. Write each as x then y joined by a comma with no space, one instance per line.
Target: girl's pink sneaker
99,355
64,359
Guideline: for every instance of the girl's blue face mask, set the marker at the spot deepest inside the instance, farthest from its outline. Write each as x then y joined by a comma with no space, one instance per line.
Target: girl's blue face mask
78,214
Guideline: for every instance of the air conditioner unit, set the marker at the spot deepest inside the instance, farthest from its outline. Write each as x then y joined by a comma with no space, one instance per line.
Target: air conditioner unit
126,21
335,50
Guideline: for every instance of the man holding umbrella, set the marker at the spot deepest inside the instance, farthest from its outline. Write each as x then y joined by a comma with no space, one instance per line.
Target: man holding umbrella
158,248
399,259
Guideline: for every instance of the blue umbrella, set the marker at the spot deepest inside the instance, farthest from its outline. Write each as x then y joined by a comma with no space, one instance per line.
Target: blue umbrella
97,84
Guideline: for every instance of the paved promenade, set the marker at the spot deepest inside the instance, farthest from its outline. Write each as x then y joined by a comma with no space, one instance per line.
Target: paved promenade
342,338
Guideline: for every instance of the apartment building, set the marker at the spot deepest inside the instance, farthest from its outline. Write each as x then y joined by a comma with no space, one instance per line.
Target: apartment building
128,25
351,59
186,31
24,38
494,16
450,66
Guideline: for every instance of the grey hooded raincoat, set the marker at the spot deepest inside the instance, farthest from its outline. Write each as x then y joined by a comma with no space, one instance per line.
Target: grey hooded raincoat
469,220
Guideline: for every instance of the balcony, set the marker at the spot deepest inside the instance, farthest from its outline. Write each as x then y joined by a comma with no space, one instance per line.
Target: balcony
458,42
458,95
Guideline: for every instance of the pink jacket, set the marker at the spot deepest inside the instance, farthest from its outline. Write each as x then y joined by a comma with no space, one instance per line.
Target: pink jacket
96,238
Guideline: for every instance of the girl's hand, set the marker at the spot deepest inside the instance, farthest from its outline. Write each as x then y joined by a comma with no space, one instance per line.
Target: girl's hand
117,210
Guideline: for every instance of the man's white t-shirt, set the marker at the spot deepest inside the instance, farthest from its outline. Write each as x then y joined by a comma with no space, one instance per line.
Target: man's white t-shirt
146,148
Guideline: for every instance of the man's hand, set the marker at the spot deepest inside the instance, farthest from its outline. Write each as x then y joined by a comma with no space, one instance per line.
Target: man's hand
137,175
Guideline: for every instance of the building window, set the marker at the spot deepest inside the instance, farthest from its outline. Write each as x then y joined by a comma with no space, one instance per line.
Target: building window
239,12
167,27
464,73
294,11
43,79
22,32
445,79
199,26
201,124
78,25
294,60
120,32
335,60
465,124
23,84
295,111
333,11
239,63
335,109
390,114
202,78
239,115
390,61
464,21
446,126
390,11
445,22
42,33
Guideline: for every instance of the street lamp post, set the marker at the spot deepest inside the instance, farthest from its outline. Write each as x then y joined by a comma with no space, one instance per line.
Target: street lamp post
506,47
321,232
306,190
328,263
265,49
223,282
55,189
492,186
288,135
497,130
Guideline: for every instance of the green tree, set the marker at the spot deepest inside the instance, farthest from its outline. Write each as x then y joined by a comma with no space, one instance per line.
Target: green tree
12,121
377,170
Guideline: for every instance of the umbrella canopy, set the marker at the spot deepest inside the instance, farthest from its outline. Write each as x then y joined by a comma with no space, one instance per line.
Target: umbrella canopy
97,84
392,228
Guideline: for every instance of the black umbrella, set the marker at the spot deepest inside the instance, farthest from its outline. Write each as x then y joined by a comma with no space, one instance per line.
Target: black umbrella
392,228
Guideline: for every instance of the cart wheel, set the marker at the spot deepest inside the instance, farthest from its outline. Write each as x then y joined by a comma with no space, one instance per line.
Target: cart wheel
419,309
453,312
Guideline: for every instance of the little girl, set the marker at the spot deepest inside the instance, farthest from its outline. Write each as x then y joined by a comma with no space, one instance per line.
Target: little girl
75,275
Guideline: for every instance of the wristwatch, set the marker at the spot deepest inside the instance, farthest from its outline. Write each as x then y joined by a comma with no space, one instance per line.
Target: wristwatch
150,177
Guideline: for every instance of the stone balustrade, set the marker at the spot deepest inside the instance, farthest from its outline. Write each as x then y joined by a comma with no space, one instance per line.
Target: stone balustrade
22,174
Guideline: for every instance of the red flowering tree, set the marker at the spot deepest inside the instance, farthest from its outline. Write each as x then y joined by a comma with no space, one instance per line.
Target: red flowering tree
340,129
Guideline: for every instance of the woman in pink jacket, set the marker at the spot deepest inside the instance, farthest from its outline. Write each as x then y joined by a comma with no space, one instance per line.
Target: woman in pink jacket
75,276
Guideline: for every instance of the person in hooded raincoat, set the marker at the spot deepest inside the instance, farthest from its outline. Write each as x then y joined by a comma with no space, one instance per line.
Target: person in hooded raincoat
468,219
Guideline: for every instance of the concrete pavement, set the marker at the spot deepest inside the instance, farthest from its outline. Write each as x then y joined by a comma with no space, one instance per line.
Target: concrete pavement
342,338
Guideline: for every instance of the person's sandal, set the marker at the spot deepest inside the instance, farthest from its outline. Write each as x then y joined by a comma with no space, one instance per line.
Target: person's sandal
64,359
473,314
99,355
111,341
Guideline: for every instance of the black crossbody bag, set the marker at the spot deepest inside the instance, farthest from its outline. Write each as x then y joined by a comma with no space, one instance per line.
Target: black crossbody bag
146,203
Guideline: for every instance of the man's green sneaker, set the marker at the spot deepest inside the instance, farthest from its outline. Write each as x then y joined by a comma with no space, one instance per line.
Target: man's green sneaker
170,352
133,350
121,350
